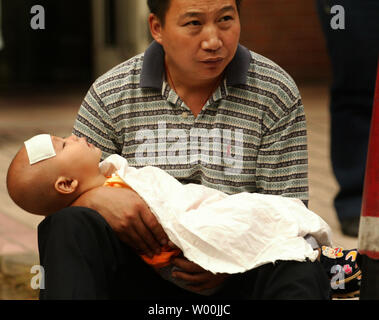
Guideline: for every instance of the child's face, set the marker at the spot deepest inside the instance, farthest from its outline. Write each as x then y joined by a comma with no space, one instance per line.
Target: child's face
76,156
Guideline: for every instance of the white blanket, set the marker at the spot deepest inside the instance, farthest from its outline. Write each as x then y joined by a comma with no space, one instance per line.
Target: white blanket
226,233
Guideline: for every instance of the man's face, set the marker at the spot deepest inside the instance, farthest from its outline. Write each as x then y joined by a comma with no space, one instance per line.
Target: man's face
76,156
200,37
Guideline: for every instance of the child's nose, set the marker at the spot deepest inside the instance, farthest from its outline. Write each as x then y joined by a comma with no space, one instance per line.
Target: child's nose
73,138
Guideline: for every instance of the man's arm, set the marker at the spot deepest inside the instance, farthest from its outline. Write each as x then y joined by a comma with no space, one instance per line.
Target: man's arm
128,215
282,163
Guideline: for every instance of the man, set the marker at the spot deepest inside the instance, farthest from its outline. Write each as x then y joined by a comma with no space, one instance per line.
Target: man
206,110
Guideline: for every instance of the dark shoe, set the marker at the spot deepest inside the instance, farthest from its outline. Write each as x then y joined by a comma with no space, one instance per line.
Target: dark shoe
350,227
343,271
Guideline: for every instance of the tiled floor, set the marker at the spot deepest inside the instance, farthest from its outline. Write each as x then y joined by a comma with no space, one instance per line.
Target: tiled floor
24,116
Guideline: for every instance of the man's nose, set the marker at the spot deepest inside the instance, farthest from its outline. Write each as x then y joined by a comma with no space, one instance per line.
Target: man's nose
212,41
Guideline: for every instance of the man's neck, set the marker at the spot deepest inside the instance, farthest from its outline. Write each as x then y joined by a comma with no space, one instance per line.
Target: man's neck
188,85
194,92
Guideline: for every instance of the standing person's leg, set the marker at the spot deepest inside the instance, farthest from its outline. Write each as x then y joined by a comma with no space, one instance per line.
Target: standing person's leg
84,259
353,52
370,278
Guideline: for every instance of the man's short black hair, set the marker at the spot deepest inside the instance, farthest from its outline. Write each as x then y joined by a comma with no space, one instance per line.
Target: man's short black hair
160,8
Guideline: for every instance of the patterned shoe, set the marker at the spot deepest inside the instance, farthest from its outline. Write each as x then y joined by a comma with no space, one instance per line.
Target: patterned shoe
343,271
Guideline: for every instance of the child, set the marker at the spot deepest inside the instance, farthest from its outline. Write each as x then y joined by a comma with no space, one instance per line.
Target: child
49,173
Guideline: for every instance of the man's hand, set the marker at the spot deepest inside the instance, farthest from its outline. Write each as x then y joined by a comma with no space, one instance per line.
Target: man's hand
198,278
128,215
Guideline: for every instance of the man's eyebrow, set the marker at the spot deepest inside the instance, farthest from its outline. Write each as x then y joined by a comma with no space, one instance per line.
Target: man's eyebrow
226,9
192,14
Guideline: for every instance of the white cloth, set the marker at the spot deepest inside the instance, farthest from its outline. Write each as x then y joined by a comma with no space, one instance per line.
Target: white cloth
226,233
39,148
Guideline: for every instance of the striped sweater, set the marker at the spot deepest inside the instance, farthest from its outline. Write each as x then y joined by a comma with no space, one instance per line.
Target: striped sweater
249,137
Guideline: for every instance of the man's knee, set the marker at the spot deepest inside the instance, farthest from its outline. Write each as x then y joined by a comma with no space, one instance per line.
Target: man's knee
284,280
77,250
299,281
76,215
76,229
73,225
72,218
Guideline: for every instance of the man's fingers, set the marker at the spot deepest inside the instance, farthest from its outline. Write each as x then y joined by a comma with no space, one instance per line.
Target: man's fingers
197,278
172,245
186,265
134,240
147,236
154,226
200,281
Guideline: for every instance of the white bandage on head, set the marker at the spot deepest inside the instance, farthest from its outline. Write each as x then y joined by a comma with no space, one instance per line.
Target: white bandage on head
39,148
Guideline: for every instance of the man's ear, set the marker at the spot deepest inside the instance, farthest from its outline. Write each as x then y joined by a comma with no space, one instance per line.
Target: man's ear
155,28
66,185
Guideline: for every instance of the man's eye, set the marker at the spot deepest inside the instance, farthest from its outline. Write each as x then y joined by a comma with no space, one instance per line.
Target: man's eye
64,144
226,18
193,23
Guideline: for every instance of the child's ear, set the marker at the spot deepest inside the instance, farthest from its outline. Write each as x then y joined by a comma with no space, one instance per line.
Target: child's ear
66,185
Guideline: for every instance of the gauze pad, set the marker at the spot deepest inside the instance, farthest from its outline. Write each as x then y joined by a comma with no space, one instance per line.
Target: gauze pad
40,148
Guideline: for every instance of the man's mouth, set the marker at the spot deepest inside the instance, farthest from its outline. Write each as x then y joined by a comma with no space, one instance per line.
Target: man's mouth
212,60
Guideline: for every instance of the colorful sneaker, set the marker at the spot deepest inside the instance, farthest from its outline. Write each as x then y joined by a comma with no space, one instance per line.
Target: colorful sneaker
343,271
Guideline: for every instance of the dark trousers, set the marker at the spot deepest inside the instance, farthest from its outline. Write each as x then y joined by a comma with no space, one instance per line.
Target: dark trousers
370,278
354,55
84,259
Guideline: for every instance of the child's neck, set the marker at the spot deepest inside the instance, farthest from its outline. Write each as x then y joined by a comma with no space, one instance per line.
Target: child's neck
92,183
97,181
86,186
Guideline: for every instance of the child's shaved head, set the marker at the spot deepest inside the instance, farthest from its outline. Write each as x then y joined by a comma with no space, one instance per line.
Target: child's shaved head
31,187
49,173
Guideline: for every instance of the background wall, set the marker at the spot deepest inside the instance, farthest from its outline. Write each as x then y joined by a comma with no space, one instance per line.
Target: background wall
289,33
83,39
